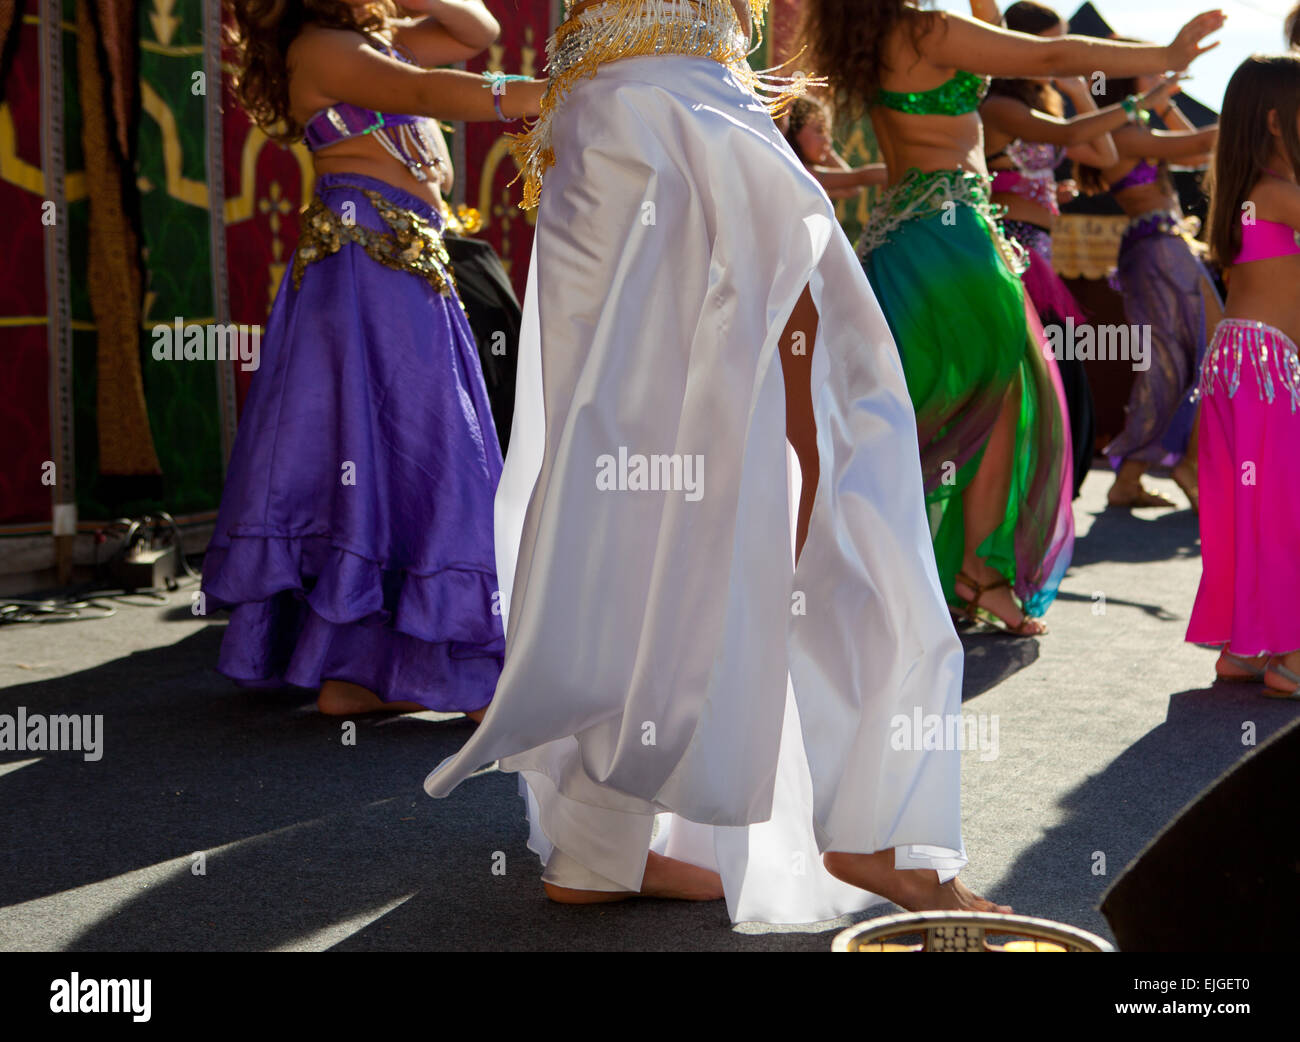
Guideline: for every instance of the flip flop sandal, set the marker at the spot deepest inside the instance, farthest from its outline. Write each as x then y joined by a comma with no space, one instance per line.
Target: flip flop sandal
1245,665
1277,692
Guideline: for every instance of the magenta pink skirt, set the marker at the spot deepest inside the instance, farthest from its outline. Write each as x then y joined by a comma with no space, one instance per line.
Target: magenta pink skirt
1250,492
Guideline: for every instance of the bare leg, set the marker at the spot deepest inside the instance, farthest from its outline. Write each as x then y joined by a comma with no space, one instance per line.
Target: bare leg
796,347
984,505
917,890
664,877
1184,471
341,698
1128,490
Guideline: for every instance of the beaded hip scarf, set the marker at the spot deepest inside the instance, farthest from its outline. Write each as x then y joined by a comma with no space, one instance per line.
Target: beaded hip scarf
921,195
635,28
411,244
1272,354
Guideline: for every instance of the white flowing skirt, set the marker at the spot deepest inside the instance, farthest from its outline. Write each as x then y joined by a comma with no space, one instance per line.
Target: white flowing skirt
653,633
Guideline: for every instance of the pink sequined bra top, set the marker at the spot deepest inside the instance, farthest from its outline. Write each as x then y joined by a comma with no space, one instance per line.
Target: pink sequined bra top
411,140
1265,240
1033,176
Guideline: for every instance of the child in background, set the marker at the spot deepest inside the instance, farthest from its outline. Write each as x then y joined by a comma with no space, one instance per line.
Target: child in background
808,130
1250,387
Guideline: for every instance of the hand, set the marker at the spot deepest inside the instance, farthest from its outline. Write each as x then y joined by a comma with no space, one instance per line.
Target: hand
1186,47
1066,191
1158,96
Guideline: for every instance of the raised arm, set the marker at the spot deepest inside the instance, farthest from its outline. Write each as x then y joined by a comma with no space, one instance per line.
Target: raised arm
956,42
1014,118
334,65
986,11
1136,142
452,31
1100,151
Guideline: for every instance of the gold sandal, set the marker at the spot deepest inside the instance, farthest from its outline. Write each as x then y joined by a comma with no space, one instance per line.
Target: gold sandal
976,612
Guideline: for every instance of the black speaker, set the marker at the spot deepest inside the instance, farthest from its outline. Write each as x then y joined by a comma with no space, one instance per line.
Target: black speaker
1224,875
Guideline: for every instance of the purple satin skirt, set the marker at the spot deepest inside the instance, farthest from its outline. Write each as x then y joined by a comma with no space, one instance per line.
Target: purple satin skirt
1162,281
354,540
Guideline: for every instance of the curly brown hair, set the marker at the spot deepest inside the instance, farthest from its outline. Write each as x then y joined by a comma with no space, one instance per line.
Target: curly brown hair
802,112
260,38
849,40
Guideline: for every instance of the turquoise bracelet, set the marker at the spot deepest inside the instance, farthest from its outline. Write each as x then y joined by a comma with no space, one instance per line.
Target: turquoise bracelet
497,82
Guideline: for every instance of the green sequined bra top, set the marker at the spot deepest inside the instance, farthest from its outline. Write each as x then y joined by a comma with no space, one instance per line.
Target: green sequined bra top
960,95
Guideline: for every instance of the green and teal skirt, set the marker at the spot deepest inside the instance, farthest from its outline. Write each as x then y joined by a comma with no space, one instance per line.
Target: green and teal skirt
948,283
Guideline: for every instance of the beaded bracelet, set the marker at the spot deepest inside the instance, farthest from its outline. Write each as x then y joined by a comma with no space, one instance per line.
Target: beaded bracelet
1135,114
497,81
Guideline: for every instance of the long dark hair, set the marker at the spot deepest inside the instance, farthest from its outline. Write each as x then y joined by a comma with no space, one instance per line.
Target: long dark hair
1032,18
260,38
849,40
1260,84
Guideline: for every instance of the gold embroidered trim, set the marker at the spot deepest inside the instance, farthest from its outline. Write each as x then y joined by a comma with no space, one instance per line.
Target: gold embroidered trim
413,244
632,28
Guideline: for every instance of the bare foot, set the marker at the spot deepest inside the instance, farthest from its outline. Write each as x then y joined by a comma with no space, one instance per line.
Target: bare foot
477,715
1128,495
997,600
1240,667
664,877
341,698
915,889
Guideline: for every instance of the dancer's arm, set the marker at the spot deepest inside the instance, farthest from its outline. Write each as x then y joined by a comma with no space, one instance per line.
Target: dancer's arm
1014,118
452,31
335,65
1134,142
986,11
1174,118
1100,151
956,42
742,12
850,180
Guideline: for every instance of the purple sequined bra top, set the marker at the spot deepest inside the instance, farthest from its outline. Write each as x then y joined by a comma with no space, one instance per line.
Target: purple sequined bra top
411,140
1143,174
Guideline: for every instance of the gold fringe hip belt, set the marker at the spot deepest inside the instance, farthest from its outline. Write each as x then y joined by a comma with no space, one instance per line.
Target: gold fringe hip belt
412,243
935,193
617,29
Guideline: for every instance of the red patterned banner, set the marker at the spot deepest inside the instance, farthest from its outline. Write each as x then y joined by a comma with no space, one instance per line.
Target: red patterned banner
486,167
